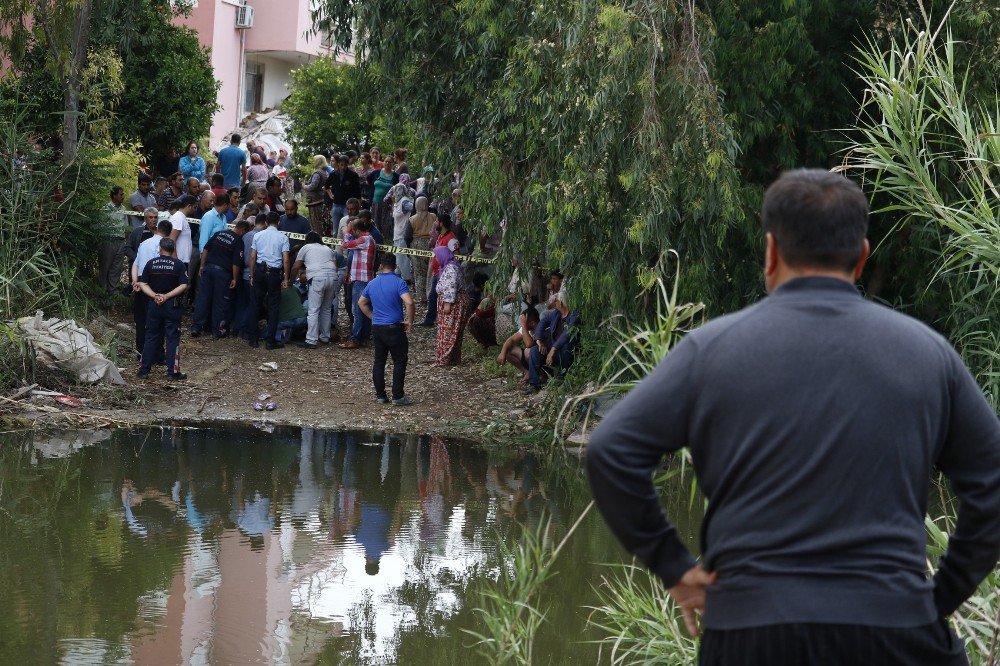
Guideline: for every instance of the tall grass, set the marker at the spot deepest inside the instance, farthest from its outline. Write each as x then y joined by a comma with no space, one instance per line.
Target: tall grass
924,144
511,612
639,347
48,240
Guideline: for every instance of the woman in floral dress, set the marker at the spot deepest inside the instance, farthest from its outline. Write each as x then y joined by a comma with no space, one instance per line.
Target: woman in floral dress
453,306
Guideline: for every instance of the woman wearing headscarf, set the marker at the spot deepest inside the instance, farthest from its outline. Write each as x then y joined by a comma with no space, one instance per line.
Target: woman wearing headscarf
425,185
382,182
258,172
314,194
453,306
422,223
402,208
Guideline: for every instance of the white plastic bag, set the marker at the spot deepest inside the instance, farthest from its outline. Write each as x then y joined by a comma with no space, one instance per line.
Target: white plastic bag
62,343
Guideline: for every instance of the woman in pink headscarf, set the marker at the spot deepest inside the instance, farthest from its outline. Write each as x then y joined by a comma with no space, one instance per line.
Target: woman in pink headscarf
453,306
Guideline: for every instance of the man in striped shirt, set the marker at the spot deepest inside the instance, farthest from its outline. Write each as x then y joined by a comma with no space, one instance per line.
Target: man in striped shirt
359,239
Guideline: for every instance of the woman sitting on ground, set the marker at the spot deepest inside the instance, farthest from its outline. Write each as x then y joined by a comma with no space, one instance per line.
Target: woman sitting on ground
453,306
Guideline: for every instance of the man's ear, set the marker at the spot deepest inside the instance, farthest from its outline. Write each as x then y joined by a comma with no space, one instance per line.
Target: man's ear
770,254
862,260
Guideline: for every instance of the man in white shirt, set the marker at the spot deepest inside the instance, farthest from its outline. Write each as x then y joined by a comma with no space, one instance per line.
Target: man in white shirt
182,228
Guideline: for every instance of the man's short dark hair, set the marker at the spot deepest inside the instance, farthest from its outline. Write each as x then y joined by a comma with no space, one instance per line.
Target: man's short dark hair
116,190
164,227
352,155
819,219
236,138
342,159
221,202
272,180
366,214
144,178
445,221
313,237
273,217
556,274
243,225
233,190
167,244
185,200
174,176
388,260
295,204
363,223
217,179
353,200
531,314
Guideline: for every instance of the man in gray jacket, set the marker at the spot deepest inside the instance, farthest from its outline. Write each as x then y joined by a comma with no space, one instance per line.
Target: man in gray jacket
815,420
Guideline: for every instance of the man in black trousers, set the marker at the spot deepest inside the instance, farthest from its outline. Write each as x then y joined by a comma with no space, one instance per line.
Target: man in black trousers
383,301
815,420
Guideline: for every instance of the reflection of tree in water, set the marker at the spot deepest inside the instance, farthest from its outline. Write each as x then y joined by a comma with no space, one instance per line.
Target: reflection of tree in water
429,511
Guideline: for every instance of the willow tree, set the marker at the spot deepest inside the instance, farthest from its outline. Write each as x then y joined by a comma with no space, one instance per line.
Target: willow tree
593,129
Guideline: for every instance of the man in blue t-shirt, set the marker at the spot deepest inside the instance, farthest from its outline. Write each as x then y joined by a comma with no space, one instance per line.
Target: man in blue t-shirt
233,163
382,301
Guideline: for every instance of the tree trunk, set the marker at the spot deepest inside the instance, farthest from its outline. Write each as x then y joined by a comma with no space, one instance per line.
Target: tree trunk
74,75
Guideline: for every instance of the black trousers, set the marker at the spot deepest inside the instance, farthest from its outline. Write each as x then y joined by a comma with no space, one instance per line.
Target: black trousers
140,304
267,291
834,644
390,340
348,290
163,324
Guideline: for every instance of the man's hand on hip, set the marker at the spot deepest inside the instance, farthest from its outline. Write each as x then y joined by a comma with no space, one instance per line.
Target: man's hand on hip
689,594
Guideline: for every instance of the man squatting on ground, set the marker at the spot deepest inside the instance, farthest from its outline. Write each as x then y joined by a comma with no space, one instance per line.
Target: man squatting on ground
815,419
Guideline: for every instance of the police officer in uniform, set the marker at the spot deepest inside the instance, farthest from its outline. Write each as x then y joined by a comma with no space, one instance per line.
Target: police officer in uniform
269,264
163,279
221,267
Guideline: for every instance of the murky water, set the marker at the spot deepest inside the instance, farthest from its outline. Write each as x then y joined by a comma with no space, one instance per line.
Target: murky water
224,546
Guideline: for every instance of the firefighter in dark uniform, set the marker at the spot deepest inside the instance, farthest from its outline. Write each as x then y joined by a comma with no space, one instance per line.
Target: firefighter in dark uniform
221,268
163,280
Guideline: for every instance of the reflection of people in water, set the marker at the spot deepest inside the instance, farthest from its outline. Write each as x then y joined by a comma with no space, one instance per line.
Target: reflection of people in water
434,481
132,497
378,476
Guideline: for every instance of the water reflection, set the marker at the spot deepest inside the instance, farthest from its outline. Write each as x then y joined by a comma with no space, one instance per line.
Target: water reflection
301,546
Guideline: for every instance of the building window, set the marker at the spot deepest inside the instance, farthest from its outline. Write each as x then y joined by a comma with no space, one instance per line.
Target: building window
253,87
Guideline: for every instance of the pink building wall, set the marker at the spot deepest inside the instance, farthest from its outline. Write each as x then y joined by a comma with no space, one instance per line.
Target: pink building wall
277,40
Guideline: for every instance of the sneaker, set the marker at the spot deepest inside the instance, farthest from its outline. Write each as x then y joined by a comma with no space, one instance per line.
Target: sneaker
308,345
275,345
142,374
531,389
177,376
382,401
403,402
195,332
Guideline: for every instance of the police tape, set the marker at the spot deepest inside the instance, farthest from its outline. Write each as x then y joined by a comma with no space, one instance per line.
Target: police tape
336,242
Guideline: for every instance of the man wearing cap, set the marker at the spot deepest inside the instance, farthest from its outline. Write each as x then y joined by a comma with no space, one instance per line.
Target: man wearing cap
163,279
269,267
383,300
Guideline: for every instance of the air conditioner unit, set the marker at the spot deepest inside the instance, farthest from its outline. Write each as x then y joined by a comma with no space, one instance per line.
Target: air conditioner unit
244,16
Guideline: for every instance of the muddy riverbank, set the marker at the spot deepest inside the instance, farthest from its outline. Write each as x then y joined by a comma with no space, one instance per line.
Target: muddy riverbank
327,387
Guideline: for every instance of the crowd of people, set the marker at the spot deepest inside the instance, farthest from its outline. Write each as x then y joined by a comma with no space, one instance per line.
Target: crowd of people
226,242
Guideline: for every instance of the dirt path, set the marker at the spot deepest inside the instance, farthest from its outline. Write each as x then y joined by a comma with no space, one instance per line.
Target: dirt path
326,387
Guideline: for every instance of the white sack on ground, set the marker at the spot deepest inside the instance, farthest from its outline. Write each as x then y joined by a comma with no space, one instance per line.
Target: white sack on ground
62,343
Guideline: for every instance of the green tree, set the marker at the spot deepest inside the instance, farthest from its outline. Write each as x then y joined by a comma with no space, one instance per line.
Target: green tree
150,80
328,108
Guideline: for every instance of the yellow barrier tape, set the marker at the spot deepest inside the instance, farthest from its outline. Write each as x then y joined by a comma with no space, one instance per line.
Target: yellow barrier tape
336,242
